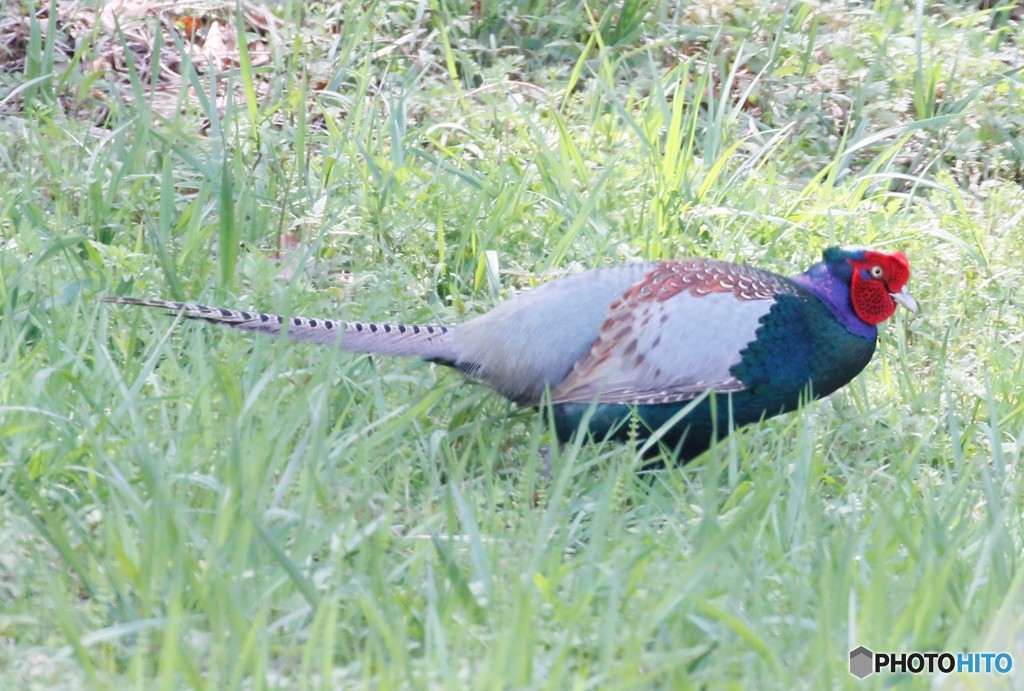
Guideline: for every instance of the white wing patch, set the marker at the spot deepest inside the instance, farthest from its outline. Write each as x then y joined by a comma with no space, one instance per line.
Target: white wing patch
654,351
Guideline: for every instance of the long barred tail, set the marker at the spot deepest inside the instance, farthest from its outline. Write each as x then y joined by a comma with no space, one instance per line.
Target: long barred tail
430,342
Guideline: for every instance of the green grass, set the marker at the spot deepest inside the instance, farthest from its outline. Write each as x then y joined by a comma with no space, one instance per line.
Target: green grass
185,507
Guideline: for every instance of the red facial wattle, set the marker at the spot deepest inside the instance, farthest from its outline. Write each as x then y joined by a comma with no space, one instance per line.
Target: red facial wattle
879,280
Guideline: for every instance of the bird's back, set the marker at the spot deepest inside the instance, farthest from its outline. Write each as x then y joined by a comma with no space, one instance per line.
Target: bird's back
741,329
533,340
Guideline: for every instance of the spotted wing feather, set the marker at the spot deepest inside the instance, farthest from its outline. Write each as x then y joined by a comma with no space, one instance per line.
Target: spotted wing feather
674,335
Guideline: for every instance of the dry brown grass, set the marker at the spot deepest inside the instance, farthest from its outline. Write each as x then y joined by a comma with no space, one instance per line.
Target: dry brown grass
139,42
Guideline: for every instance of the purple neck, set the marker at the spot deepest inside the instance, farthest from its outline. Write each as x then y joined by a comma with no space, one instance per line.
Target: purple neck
835,293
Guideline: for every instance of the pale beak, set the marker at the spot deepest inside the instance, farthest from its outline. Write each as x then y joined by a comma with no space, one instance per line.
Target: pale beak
906,299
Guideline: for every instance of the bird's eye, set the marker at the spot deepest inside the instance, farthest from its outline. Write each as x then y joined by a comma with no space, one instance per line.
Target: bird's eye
876,271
